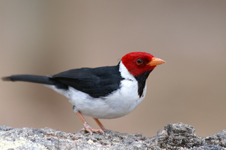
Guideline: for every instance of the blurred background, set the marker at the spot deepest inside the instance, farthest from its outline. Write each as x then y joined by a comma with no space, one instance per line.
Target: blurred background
47,37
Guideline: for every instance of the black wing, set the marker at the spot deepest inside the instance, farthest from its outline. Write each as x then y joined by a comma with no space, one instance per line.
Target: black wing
97,82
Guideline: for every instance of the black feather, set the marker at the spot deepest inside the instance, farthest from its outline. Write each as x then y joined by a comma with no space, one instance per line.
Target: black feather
35,79
97,82
141,79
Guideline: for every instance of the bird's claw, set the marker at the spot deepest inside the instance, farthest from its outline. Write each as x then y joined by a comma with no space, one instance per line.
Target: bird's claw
88,128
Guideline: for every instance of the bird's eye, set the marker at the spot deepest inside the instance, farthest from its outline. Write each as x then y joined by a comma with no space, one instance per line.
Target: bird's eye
139,61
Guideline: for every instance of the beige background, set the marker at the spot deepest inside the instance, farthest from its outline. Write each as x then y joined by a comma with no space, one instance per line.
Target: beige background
47,37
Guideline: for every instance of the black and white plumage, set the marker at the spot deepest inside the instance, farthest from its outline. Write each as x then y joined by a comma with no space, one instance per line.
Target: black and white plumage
103,92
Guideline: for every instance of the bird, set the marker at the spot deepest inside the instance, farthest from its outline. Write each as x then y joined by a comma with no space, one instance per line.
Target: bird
104,92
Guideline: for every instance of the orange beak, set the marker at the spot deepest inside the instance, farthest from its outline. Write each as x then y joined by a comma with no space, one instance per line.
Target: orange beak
156,61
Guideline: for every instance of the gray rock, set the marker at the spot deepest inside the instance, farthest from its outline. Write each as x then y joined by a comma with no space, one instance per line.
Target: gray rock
175,136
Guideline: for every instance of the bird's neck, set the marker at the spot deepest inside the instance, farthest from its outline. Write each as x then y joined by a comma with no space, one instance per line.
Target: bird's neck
141,79
124,72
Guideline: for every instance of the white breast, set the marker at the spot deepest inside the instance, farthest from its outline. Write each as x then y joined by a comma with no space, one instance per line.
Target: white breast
117,104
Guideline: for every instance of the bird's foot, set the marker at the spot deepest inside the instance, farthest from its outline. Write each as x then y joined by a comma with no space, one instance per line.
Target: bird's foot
88,128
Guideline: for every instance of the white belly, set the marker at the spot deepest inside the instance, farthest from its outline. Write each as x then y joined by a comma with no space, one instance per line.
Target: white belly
117,104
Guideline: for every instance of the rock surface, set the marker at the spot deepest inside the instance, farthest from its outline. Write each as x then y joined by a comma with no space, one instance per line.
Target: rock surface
174,136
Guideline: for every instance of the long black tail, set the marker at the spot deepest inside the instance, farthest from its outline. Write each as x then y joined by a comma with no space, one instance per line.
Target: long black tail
36,79
29,78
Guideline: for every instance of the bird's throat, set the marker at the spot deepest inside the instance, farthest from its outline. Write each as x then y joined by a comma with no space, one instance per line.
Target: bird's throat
141,79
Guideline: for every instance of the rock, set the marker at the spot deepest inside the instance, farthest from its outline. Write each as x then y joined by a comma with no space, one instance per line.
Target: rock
179,135
175,136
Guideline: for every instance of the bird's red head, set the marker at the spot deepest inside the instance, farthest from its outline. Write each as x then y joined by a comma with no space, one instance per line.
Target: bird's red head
138,63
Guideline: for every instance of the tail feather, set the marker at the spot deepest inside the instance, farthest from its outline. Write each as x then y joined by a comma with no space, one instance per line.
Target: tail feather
6,79
36,79
29,78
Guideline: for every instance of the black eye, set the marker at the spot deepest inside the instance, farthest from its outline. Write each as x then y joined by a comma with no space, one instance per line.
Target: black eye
139,61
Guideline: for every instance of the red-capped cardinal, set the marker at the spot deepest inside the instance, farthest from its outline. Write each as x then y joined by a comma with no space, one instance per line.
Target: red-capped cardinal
103,92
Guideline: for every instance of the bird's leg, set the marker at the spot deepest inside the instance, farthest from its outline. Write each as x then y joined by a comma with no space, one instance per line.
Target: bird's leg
99,124
87,127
